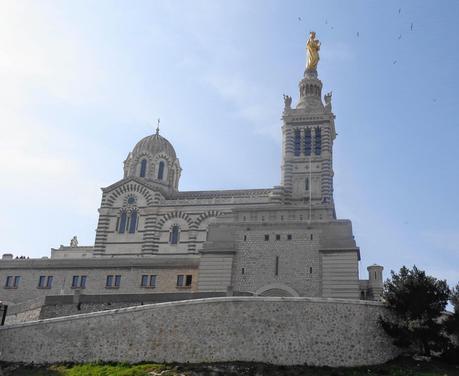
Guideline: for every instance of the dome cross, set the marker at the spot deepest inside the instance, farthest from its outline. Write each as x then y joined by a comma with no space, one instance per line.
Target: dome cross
157,127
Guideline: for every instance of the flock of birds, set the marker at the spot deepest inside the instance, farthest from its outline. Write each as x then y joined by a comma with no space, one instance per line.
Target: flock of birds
358,33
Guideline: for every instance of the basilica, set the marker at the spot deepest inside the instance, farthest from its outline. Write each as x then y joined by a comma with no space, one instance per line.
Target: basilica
154,239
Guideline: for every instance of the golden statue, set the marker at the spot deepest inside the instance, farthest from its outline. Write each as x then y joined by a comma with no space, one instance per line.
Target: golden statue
313,47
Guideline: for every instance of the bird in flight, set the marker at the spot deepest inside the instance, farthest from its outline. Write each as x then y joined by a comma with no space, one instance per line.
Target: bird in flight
358,34
394,62
299,19
399,10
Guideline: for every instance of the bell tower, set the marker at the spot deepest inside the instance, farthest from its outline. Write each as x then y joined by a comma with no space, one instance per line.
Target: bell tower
308,133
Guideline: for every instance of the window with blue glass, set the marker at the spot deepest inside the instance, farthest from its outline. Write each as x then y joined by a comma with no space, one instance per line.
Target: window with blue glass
297,142
122,223
45,282
161,170
307,141
133,222
317,141
113,281
148,281
12,282
143,168
79,281
174,235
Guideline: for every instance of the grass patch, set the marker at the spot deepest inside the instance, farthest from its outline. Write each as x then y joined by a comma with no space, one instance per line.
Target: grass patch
116,369
398,367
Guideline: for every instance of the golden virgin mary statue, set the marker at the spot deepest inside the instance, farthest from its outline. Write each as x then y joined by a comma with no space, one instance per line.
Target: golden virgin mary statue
313,47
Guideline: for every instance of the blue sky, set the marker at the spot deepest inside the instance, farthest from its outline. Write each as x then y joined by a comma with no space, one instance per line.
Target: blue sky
83,81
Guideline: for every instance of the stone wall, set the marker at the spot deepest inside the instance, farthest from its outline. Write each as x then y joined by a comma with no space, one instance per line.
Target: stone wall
27,311
287,331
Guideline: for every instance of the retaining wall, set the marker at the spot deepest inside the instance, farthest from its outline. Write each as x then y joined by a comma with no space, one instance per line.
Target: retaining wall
288,331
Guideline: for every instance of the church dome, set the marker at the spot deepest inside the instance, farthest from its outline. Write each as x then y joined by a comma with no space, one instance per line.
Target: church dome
153,145
153,158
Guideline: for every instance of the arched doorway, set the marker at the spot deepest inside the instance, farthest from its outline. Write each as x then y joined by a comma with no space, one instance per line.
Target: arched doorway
276,289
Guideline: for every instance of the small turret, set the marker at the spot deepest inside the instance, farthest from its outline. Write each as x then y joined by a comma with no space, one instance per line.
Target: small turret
375,282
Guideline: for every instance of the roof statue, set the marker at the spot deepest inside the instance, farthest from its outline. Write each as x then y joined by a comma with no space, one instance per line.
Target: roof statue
313,47
74,242
287,102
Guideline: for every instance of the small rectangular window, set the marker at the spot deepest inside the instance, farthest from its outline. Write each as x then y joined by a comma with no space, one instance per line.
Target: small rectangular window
243,271
79,281
189,279
49,282
41,281
266,237
109,281
9,281
17,279
311,237
117,280
276,271
278,237
310,270
245,238
289,237
180,280
148,280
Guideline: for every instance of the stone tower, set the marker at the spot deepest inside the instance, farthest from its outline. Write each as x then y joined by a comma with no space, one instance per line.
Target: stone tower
375,282
308,133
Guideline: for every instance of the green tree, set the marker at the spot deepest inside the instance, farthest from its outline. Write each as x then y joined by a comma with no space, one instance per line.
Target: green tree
417,302
452,328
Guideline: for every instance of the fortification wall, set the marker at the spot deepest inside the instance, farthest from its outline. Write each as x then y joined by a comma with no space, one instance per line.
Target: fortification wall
22,312
316,331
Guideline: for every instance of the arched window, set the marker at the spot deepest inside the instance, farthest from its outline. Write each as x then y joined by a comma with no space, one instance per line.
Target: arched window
133,222
297,143
143,168
122,224
307,141
318,141
161,170
174,235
